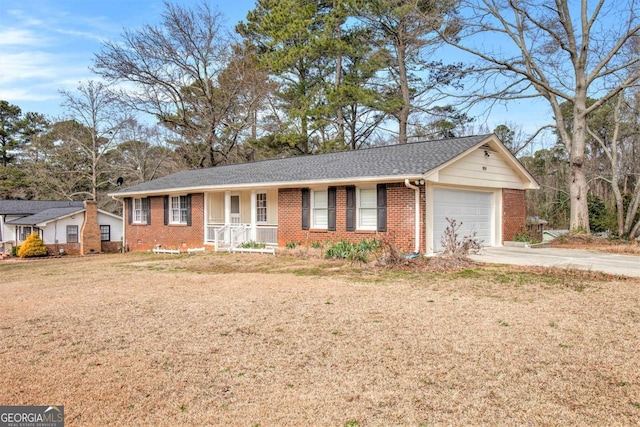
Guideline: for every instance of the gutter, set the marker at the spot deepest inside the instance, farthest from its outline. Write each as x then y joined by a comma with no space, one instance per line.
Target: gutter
274,184
416,191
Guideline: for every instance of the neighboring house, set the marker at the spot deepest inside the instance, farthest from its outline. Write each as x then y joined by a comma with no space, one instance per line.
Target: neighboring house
403,192
64,226
549,235
535,227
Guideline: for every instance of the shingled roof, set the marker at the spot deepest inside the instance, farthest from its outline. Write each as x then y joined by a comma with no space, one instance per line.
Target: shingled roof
395,161
47,215
30,207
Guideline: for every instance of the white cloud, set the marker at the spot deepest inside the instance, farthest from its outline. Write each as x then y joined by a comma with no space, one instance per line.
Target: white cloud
20,37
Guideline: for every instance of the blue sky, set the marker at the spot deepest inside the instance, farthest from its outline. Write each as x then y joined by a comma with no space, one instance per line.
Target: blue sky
48,45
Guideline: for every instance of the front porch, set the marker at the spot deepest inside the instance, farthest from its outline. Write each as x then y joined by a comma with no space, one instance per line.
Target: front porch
243,220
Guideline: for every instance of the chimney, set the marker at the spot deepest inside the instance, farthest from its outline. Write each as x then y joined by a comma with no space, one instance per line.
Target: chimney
90,232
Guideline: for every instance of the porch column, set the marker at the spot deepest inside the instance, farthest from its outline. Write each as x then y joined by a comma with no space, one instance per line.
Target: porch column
227,207
227,215
254,215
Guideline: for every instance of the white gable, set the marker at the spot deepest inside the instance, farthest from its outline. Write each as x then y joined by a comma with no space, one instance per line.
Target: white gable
489,166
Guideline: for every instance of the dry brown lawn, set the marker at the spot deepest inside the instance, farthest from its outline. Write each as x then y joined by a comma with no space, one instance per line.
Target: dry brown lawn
246,340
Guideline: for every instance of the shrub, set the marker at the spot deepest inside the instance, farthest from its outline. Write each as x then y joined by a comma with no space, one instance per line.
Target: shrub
291,245
523,236
455,246
354,252
33,247
390,255
253,245
317,245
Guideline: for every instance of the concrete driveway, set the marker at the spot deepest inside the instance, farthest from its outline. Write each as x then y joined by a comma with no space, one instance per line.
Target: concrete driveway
624,265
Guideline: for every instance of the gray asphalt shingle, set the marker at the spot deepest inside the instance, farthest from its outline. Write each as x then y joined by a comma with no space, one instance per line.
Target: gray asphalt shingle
397,160
47,215
30,207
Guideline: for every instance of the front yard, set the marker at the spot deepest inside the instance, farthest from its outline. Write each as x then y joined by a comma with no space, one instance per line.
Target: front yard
246,340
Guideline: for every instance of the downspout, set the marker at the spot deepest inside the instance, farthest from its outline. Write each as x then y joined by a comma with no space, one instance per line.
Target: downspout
124,224
416,191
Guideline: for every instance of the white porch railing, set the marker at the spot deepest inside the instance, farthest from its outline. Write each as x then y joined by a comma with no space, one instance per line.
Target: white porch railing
239,235
267,234
231,235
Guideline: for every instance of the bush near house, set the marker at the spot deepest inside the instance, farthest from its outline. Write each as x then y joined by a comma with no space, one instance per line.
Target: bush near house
33,247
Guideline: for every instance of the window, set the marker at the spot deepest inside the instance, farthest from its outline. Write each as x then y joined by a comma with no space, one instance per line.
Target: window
140,211
105,233
24,233
178,213
367,209
72,234
261,207
319,205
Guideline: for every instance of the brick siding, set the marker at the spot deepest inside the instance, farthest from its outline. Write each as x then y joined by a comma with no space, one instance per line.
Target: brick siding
514,212
400,219
141,237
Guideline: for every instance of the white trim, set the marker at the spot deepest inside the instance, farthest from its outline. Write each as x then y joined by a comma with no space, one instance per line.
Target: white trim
254,196
179,209
253,217
141,210
359,225
278,184
227,207
312,208
239,213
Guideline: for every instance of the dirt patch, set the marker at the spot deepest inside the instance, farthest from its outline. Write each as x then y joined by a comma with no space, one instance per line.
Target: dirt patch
598,244
224,339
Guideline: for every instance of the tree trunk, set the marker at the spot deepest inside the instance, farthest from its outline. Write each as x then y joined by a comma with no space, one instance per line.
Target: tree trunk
403,114
578,188
338,82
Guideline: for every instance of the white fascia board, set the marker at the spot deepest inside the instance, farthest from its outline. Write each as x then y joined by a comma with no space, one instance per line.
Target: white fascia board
285,184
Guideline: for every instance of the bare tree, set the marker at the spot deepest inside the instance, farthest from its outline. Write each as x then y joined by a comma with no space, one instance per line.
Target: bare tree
95,120
561,51
180,74
616,144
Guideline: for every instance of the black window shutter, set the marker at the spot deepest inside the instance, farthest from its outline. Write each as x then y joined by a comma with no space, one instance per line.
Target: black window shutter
382,207
147,207
188,199
305,208
351,208
129,202
331,208
166,210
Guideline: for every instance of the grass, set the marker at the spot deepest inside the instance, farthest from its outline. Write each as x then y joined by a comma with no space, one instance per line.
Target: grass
241,339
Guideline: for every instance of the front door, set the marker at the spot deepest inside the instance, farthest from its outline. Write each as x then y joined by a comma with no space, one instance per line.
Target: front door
235,209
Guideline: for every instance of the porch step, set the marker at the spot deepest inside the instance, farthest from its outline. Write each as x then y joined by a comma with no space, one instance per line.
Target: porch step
271,251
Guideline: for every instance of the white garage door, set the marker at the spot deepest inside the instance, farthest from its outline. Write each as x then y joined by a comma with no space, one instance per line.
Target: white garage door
473,209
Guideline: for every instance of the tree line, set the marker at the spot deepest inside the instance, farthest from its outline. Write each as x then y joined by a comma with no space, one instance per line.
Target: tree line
311,76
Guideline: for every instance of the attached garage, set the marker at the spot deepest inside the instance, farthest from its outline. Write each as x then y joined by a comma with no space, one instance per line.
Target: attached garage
475,210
